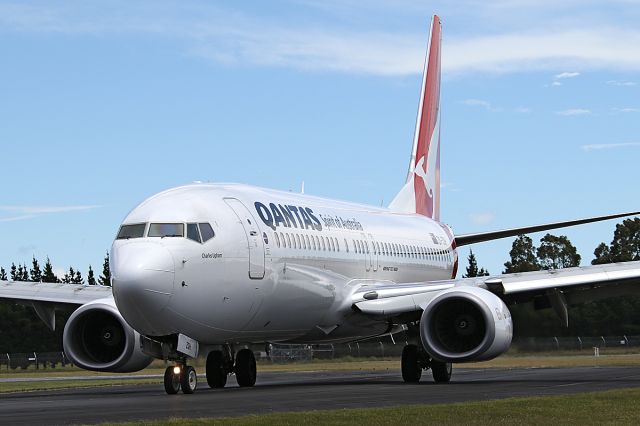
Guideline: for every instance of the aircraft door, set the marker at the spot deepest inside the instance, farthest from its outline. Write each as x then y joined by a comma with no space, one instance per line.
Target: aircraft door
368,249
376,252
254,237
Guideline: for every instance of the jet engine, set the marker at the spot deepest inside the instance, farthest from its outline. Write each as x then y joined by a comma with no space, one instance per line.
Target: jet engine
97,338
466,324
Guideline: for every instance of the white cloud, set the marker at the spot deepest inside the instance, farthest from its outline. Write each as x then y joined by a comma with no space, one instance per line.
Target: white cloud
480,103
566,75
621,83
523,110
29,212
625,110
574,112
556,84
229,37
483,218
601,146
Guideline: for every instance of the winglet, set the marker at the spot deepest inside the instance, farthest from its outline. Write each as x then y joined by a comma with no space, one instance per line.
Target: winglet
421,192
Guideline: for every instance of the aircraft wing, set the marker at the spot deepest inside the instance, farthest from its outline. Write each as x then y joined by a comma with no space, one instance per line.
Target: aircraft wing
554,288
45,298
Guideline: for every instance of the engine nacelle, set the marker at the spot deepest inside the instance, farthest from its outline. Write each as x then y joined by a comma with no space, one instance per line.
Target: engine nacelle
97,338
466,324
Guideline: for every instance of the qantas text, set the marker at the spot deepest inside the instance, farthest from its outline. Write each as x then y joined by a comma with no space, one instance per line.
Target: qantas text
275,215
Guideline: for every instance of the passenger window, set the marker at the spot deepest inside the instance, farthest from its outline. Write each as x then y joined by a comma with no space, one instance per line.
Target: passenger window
131,231
192,232
166,230
288,240
277,239
337,244
206,231
317,242
304,243
333,247
296,243
346,245
323,245
284,243
306,237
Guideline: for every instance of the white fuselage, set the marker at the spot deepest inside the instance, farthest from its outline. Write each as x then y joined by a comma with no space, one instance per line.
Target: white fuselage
281,266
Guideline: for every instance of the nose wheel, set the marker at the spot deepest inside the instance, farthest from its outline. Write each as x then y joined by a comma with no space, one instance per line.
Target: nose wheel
180,377
171,380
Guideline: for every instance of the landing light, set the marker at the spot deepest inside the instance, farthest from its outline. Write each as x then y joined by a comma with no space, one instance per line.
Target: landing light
176,369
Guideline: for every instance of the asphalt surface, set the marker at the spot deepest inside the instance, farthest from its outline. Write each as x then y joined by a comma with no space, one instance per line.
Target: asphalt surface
302,391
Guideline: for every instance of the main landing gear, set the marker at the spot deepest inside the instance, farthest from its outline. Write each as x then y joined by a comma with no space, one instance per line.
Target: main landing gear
415,359
220,364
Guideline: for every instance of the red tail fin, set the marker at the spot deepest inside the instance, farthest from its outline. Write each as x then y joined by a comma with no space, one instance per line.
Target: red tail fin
421,193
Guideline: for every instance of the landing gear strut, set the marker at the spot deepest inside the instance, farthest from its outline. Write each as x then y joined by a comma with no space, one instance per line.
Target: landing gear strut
414,360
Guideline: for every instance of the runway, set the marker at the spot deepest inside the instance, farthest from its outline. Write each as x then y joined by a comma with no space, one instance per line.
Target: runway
303,391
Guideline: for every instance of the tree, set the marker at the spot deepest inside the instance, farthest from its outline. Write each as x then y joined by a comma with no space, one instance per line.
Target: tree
523,256
91,280
472,269
36,274
14,272
105,278
77,279
557,252
69,276
3,274
625,246
23,272
47,275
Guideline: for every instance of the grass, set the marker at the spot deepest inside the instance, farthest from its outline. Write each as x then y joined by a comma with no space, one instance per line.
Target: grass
618,407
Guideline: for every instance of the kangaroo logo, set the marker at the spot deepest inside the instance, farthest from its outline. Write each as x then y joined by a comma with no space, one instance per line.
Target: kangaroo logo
421,172
428,171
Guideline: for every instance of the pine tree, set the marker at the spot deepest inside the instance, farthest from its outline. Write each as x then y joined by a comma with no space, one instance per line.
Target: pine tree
25,273
69,276
557,252
523,256
77,279
472,269
105,278
36,274
3,274
91,280
47,275
14,272
20,274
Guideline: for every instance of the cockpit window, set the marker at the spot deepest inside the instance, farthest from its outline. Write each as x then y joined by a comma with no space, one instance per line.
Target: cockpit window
192,232
131,231
206,231
166,230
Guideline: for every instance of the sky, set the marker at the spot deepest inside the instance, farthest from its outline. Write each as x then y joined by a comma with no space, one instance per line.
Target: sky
104,103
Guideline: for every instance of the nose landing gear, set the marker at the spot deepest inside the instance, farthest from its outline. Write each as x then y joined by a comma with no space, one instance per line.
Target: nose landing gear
180,377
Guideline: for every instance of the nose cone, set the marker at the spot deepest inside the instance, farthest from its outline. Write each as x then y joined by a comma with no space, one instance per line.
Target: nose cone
143,275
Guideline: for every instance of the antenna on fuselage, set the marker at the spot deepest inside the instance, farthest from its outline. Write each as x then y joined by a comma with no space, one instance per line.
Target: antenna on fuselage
302,188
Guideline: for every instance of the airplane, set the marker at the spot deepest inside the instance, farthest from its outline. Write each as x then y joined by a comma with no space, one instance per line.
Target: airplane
207,269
